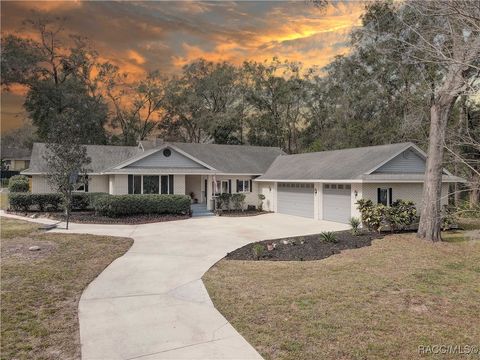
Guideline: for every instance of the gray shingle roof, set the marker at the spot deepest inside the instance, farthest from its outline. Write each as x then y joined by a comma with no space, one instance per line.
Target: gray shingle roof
15,153
224,158
234,159
343,164
103,157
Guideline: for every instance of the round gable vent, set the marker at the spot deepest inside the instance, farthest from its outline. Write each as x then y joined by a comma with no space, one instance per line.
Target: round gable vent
167,152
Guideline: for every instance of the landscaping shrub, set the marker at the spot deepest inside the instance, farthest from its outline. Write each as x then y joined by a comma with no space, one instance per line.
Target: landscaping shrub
223,200
258,250
372,215
18,183
238,201
80,201
400,215
124,205
355,225
19,201
29,201
51,201
92,197
261,197
329,236
448,217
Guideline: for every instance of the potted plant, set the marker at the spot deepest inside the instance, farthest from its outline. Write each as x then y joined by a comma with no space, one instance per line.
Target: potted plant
270,246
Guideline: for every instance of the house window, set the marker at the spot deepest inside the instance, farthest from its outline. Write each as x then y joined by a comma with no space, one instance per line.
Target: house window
384,196
243,186
83,185
134,184
222,187
150,184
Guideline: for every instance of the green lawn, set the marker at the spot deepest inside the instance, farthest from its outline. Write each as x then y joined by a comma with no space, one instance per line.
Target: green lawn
377,302
40,290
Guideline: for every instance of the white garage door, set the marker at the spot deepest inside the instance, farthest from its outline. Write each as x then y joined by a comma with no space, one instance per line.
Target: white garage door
295,199
336,202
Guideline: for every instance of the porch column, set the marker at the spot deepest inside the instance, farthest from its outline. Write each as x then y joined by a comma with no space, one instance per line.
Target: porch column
209,192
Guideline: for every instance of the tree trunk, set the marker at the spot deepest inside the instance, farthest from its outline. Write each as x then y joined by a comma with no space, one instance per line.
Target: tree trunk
430,216
474,197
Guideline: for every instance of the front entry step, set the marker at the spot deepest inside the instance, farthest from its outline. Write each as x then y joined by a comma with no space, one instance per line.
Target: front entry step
200,210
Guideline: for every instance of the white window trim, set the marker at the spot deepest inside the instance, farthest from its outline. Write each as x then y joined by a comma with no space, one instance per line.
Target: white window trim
220,187
244,182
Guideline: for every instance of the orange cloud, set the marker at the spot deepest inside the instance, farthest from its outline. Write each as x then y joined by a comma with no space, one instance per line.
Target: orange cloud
144,36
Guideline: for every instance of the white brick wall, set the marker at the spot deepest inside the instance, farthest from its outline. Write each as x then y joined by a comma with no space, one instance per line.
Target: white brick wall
404,191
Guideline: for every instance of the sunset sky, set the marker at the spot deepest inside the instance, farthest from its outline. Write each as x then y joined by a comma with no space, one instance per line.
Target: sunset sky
145,36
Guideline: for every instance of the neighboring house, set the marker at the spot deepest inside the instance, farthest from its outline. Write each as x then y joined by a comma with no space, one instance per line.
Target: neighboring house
15,159
323,185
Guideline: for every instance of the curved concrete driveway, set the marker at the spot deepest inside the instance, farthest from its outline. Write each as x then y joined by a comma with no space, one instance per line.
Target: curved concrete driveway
151,302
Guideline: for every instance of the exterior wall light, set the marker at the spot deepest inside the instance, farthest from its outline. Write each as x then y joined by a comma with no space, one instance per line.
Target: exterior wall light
356,193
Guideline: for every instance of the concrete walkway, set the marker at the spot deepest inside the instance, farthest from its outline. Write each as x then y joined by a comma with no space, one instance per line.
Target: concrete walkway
151,302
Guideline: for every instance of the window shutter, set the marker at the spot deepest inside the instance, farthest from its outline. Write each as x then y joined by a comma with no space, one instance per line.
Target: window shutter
229,186
378,196
130,184
238,185
390,197
86,183
170,184
250,185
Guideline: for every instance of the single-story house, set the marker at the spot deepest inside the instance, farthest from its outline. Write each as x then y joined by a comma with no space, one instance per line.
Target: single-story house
321,185
15,158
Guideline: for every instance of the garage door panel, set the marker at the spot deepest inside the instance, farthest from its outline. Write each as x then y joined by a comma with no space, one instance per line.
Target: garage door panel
337,205
295,199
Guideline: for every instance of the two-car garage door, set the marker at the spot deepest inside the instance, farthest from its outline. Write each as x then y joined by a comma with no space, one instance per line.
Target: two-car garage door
298,199
295,199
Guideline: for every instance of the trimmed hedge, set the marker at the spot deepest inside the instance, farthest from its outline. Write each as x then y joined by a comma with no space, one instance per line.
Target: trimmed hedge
19,183
51,201
27,201
124,205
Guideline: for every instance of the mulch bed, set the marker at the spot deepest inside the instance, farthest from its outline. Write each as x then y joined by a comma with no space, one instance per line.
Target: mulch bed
236,213
89,217
302,248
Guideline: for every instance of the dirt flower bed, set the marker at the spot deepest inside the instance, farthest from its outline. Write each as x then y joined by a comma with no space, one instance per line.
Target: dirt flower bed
237,213
89,217
309,247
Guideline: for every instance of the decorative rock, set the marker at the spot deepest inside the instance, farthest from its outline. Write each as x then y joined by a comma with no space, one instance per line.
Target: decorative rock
34,248
285,242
